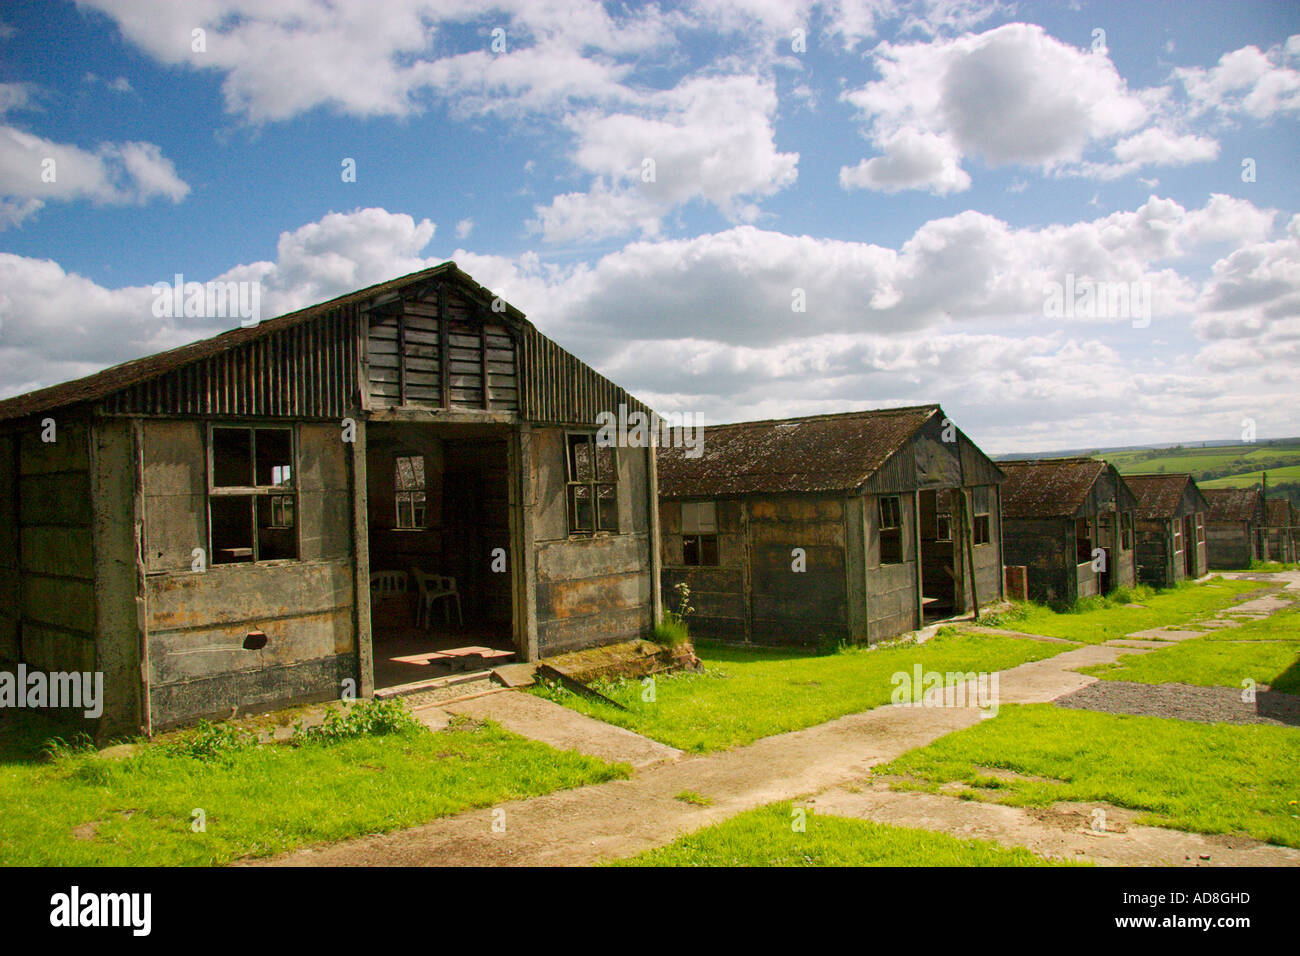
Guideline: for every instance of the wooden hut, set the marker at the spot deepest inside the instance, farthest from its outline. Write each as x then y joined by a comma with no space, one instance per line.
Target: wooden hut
1282,530
327,502
851,527
1234,526
1069,522
1170,528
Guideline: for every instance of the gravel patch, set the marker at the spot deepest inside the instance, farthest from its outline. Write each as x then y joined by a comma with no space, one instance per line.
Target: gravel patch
1186,702
436,695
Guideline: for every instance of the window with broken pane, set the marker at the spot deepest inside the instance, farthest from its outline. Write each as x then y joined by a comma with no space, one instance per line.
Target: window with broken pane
592,487
410,501
252,496
891,529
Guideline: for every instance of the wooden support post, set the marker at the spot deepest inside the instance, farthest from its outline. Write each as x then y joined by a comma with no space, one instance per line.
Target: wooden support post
444,338
969,539
141,603
916,541
1002,574
361,564
526,627
656,556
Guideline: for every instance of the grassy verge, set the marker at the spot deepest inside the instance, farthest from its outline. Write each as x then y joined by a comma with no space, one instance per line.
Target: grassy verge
1098,619
84,810
1206,778
1266,651
748,693
1274,566
766,837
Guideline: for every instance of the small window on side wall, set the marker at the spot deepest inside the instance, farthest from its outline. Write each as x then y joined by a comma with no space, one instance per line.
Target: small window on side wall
981,519
891,530
592,489
252,498
700,533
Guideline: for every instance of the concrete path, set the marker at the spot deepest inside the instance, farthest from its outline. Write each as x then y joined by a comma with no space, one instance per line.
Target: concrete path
563,729
624,817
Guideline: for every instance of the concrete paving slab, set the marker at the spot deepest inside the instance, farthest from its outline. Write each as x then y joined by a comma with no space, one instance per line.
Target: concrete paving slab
435,718
523,674
565,729
1173,635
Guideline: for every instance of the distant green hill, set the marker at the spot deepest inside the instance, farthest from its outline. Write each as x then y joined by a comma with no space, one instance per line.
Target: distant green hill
1238,465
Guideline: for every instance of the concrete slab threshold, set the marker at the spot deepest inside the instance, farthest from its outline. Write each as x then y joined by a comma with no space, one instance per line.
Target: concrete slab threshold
564,729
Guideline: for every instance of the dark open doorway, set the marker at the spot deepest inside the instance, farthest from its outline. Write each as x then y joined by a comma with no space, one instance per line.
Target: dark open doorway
938,557
441,599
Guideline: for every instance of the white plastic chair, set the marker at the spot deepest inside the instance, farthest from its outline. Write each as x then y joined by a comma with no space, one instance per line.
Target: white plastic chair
384,584
436,587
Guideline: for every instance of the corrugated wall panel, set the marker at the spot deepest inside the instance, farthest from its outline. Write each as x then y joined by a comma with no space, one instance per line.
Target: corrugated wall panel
559,389
306,371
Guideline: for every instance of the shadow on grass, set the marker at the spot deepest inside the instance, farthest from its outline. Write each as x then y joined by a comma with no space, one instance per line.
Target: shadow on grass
25,733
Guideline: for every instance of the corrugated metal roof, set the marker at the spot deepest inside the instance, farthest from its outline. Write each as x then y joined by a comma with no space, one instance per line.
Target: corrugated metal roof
818,453
1232,504
1048,487
1158,495
110,380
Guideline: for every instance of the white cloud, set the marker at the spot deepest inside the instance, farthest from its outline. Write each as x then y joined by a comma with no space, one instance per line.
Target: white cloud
912,160
279,60
1013,94
1247,80
954,314
464,228
709,139
34,170
1159,147
56,325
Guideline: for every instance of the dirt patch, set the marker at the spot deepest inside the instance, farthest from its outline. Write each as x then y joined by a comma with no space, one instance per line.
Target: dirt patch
1186,702
1099,833
87,831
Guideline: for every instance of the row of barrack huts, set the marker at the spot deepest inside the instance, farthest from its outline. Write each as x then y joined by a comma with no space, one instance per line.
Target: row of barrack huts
203,526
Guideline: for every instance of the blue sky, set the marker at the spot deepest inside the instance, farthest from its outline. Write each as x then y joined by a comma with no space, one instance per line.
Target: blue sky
921,172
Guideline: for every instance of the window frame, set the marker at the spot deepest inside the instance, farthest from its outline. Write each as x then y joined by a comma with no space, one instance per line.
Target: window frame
700,536
254,492
986,515
593,485
895,529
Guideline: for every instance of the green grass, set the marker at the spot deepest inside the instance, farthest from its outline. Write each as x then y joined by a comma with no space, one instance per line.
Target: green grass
84,810
1098,619
748,693
1248,479
767,837
1274,566
1205,464
1266,651
693,798
1206,778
